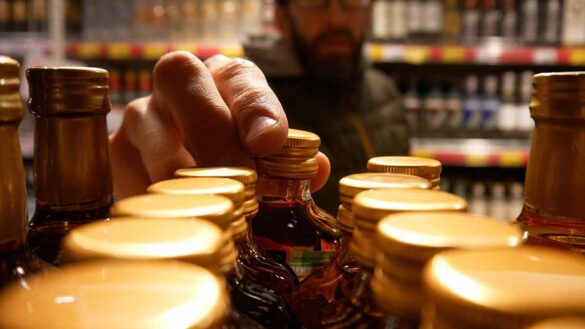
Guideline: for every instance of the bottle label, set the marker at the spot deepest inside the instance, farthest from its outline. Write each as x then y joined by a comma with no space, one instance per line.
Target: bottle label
301,260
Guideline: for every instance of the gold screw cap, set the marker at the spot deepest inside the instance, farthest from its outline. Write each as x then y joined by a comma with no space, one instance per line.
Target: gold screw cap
429,169
116,294
11,107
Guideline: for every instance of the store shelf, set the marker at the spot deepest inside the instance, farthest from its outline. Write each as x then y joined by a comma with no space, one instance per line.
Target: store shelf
511,153
489,53
144,51
20,44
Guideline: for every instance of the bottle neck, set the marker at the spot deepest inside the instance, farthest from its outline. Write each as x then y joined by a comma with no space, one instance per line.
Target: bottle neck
555,176
13,198
72,163
273,189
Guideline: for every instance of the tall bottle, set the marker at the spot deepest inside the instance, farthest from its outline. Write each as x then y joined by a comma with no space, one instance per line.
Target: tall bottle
253,262
407,241
16,261
553,212
369,207
289,227
323,293
73,178
249,297
118,294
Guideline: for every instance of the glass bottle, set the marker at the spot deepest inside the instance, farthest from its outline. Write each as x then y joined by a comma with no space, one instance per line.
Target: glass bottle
16,261
120,294
248,297
407,241
553,212
253,263
429,169
323,293
369,207
72,174
289,227
508,288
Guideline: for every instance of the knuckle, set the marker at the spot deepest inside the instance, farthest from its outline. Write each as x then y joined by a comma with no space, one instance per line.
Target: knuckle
250,101
237,67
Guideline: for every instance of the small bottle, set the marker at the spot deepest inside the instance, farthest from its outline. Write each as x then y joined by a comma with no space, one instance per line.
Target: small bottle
16,261
490,104
429,169
491,18
118,294
510,21
552,26
254,266
470,22
477,199
472,115
407,241
323,293
369,207
150,239
506,121
454,105
289,227
530,22
73,178
435,109
248,297
553,212
502,287
451,21
265,269
498,206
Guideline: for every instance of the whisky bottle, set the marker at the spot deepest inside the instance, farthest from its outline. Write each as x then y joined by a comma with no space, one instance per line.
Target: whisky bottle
553,212
72,174
118,294
254,264
289,226
16,260
323,293
509,288
407,241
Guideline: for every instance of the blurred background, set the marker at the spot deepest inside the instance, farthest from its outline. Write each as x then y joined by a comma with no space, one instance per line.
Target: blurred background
464,66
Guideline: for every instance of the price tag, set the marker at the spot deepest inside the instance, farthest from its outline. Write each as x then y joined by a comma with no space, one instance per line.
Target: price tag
417,55
545,56
118,51
477,160
577,57
453,55
154,50
376,52
232,51
89,50
512,159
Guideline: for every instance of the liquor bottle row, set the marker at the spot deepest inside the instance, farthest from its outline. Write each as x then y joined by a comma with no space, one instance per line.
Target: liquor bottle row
23,16
128,84
481,106
549,22
250,248
202,20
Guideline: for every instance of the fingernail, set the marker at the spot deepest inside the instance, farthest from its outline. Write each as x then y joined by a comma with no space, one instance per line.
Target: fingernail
259,126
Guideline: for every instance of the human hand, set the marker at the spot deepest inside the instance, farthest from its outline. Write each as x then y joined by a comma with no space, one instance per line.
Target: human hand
220,112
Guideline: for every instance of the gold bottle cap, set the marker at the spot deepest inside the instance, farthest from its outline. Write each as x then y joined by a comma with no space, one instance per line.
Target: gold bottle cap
11,107
118,294
351,185
229,188
215,208
505,288
418,236
408,240
370,206
426,168
558,96
345,219
127,238
68,90
246,176
561,323
296,160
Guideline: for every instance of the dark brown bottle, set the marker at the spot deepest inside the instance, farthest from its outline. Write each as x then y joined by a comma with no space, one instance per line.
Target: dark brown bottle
323,293
369,207
253,263
249,298
16,261
72,174
553,212
289,227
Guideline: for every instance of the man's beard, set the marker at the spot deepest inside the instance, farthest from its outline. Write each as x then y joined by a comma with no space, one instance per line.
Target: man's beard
333,68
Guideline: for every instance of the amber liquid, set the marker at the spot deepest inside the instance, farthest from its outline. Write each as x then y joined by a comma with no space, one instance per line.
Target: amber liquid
259,268
323,293
263,305
284,230
547,231
48,228
16,263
